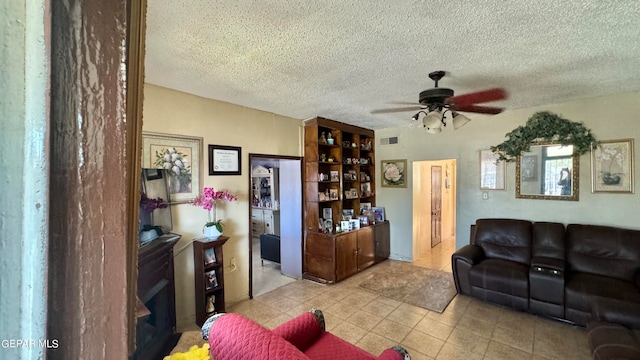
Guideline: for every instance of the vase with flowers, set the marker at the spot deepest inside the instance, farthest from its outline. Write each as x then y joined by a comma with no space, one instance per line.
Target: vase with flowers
207,200
146,229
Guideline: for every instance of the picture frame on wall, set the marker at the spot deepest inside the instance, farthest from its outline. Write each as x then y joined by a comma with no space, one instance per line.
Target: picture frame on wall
182,156
493,174
394,173
225,160
612,167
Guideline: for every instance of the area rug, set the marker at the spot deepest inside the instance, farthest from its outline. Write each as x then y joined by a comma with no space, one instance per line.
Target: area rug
426,288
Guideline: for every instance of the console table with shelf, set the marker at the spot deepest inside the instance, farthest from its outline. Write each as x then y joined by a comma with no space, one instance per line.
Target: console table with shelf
208,268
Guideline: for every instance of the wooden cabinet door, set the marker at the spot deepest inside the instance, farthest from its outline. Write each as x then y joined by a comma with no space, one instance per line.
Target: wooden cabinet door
382,240
366,248
346,255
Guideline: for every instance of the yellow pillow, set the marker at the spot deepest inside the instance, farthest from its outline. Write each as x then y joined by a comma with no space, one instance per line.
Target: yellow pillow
194,353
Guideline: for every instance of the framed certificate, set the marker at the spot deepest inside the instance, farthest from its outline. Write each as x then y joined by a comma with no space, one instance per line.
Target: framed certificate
225,160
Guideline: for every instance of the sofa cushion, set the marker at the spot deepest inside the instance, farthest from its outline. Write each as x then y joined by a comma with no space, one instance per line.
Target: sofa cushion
503,276
612,341
548,240
580,289
506,239
603,250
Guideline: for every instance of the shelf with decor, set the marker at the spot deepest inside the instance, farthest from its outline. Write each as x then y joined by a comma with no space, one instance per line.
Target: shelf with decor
208,264
339,176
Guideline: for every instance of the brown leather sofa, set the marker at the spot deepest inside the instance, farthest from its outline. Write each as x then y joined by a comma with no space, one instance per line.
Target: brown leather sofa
545,268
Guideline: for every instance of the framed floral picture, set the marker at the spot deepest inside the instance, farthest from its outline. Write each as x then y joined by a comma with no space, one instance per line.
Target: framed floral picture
182,156
394,173
612,167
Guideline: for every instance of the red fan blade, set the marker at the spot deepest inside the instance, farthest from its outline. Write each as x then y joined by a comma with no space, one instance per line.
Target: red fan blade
385,111
478,109
478,97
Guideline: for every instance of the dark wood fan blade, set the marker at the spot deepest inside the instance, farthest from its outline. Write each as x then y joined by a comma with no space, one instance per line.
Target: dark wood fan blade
478,109
386,111
478,97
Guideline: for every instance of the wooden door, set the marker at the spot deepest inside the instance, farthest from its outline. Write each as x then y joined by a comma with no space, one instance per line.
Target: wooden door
436,205
346,255
366,247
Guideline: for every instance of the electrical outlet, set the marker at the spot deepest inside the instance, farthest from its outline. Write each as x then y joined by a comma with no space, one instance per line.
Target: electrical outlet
485,195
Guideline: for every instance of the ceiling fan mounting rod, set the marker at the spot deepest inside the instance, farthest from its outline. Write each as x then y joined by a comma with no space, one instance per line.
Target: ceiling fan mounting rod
436,76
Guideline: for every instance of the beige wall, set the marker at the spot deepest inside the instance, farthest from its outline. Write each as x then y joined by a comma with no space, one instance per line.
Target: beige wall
220,123
609,117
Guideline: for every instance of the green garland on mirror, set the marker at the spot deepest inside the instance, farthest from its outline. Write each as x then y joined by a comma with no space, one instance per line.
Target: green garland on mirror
545,126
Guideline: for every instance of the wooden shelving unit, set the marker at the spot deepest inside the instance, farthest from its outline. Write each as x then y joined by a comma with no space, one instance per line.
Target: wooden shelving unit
208,264
339,176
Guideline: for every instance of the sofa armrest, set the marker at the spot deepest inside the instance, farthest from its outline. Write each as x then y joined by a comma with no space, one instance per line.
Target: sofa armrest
471,254
233,336
616,311
548,263
395,353
303,330
461,263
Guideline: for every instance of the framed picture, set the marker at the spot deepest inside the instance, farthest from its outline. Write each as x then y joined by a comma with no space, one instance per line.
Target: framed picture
327,227
612,167
182,156
335,177
528,167
365,189
354,224
378,214
364,220
210,279
327,213
209,256
225,160
364,206
394,173
344,225
347,214
333,194
493,175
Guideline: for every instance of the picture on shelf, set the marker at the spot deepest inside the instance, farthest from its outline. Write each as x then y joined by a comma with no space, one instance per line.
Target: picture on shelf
335,176
364,220
378,214
333,194
209,256
365,189
344,225
210,279
353,175
328,226
365,206
354,224
347,214
327,213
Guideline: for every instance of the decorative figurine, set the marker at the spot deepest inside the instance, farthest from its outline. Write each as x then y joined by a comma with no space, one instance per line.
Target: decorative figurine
322,139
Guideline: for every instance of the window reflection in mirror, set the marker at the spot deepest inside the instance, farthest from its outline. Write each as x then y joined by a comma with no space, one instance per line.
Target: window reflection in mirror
547,171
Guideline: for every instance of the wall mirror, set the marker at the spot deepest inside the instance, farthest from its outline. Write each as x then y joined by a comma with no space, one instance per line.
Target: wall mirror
548,171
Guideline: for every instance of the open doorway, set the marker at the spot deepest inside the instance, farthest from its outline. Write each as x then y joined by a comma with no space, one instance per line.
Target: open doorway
275,246
434,213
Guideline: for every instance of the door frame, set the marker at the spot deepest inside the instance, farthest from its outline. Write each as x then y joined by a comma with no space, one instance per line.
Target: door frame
252,157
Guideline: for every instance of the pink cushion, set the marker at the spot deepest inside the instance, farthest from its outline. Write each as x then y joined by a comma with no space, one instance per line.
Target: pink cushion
331,347
302,331
235,337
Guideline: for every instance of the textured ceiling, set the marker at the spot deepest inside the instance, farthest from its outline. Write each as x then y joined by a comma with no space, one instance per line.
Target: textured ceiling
342,59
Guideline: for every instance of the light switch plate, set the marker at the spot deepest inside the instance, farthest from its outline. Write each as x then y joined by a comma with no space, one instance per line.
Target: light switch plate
485,195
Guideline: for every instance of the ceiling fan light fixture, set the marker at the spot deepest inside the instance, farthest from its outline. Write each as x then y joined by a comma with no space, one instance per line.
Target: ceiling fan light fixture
433,119
459,120
434,130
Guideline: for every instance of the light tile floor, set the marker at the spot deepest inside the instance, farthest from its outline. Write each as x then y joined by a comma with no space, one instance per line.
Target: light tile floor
467,329
267,275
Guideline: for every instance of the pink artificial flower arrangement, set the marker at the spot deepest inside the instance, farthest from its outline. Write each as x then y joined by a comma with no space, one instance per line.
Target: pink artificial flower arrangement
207,200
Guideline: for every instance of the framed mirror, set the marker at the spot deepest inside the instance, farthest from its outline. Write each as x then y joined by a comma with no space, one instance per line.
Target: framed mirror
548,171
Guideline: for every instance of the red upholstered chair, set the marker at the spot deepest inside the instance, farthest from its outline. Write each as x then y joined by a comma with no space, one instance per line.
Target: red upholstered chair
232,336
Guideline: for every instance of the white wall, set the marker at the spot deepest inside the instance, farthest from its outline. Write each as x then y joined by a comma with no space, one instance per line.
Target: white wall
610,117
220,123
24,140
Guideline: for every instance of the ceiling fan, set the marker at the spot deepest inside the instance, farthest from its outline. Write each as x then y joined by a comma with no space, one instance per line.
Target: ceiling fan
435,102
